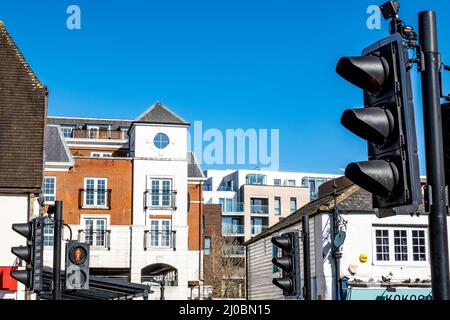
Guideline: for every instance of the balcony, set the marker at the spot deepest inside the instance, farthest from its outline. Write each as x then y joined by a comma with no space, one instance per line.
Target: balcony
97,239
259,209
160,240
95,134
257,229
94,199
160,200
232,208
233,251
229,230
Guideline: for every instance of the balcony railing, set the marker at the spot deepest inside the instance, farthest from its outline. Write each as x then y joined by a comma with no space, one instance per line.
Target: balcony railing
94,134
257,229
233,251
160,240
96,238
233,207
232,230
259,209
160,199
95,199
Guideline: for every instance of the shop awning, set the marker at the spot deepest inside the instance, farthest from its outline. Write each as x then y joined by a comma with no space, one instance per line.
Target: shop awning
99,289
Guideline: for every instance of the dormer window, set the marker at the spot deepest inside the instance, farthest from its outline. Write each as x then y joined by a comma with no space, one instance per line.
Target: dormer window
161,141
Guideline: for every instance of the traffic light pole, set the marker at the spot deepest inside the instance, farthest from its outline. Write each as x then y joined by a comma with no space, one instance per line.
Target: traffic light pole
57,244
431,94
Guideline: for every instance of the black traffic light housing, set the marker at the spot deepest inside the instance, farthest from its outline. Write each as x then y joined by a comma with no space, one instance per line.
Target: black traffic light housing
387,123
32,254
289,263
77,266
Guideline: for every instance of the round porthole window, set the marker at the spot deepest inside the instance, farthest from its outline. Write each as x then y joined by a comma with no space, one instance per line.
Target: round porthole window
161,141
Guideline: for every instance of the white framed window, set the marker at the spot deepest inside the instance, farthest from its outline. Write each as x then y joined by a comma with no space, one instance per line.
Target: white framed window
290,183
92,132
49,190
95,231
400,245
67,132
161,193
160,233
101,154
95,193
277,182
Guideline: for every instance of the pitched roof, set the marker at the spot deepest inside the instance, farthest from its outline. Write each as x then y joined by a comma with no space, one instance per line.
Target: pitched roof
160,114
56,149
23,113
194,169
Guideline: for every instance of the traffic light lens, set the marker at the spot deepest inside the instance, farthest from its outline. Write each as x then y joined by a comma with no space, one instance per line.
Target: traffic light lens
367,72
372,124
78,255
378,176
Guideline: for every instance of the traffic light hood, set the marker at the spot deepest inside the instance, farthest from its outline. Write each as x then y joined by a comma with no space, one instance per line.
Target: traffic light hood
368,72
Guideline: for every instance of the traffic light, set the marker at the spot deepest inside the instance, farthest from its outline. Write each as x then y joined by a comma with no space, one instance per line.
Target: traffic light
391,173
32,254
289,263
77,266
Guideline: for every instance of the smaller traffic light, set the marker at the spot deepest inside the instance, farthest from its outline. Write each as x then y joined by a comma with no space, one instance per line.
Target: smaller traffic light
32,254
77,266
289,263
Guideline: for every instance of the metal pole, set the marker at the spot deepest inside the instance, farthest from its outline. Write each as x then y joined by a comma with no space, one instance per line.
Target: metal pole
306,257
58,225
336,252
162,290
434,147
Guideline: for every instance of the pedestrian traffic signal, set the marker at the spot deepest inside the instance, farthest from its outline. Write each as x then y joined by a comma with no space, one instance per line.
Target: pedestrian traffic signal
387,123
289,263
77,266
32,254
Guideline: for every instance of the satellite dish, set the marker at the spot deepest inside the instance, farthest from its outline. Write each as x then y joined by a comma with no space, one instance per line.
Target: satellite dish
339,239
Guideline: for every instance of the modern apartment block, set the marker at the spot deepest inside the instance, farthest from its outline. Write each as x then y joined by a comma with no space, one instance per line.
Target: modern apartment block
254,200
251,202
133,191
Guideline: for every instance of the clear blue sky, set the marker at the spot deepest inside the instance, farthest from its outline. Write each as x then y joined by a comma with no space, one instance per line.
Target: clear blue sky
230,63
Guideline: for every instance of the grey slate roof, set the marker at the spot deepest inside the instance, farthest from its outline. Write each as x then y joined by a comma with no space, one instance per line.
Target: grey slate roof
56,149
80,123
160,114
194,169
23,113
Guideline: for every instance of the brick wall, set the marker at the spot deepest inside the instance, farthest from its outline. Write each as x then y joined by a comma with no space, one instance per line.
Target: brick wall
119,175
194,213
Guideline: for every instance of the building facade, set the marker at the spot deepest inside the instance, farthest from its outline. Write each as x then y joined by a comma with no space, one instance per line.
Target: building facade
133,191
252,201
376,259
23,100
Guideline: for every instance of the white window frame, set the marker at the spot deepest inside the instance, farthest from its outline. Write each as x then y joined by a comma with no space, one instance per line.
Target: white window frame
291,200
48,194
101,154
279,184
95,205
392,262
160,193
89,128
48,225
159,238
95,239
71,131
